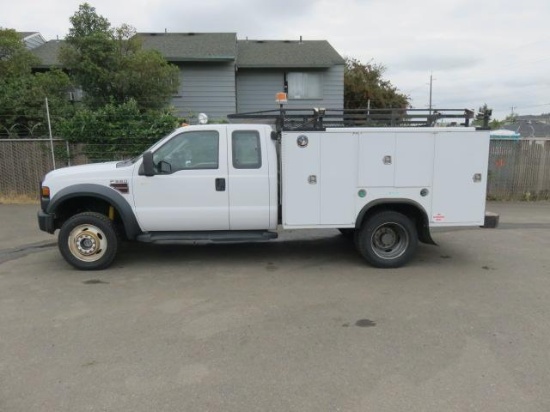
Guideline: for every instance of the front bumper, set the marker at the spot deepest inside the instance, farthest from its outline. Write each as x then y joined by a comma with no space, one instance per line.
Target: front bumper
46,222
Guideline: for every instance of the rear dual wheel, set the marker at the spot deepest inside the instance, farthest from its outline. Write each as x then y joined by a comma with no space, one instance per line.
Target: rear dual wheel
387,239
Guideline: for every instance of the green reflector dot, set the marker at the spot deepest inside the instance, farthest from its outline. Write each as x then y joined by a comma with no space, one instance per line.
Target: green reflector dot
362,193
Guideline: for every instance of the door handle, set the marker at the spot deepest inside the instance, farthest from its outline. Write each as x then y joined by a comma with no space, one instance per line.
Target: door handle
220,184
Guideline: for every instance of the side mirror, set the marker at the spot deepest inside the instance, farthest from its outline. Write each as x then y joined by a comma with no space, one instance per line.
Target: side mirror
148,165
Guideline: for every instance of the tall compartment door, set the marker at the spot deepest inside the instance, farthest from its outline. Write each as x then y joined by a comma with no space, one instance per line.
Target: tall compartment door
338,178
458,195
301,153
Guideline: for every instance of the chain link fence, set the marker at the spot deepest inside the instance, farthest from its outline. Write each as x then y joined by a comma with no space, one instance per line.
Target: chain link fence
24,162
518,170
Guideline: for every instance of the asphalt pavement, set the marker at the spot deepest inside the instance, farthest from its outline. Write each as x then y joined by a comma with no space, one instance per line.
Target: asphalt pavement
298,324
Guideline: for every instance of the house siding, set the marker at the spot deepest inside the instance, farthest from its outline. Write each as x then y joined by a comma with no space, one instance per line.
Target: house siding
334,88
206,88
256,89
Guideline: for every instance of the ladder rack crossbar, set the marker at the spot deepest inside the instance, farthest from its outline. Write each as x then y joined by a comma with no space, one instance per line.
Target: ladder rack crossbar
319,118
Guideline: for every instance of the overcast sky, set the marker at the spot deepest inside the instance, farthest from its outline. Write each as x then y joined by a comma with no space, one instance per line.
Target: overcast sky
494,52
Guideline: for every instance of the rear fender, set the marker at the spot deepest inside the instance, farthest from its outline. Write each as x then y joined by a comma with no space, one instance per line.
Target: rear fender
408,207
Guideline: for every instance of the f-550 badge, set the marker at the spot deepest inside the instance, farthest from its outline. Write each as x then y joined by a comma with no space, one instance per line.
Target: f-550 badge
120,185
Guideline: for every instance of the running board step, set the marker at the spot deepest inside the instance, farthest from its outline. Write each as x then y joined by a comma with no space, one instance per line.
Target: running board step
202,236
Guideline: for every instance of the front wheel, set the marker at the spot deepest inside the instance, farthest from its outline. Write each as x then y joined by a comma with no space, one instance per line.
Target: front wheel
88,241
387,239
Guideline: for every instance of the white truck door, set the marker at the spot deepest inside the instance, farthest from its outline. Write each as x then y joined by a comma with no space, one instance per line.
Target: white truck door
460,177
249,179
189,191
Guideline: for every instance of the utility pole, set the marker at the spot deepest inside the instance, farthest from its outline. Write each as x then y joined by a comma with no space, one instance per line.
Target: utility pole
50,130
431,88
512,108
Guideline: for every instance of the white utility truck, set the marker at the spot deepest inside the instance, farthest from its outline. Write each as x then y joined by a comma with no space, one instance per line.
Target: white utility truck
383,179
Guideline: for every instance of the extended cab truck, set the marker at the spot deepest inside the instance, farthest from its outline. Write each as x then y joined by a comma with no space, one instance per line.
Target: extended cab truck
385,187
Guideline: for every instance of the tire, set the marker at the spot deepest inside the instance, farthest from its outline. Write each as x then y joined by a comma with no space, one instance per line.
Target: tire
387,239
88,241
348,233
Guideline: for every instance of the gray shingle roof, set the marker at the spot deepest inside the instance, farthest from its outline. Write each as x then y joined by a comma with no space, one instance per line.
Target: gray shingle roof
48,53
181,47
23,34
287,54
529,128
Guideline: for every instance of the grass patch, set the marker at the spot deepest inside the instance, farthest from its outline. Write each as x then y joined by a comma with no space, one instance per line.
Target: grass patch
17,199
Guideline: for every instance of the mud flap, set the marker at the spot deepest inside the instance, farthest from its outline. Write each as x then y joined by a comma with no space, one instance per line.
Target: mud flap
424,234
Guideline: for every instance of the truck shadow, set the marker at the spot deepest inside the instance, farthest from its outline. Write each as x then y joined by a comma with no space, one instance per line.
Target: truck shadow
327,249
333,247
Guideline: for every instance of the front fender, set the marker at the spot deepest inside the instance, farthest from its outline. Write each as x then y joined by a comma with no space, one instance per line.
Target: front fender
123,208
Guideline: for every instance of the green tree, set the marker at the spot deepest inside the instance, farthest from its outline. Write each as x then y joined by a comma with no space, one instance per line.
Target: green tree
365,82
117,131
22,93
15,59
494,124
112,67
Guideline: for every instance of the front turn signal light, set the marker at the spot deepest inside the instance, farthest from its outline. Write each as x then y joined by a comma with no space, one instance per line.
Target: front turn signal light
45,191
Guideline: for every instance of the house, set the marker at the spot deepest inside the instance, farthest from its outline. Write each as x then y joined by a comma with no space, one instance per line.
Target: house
47,53
207,70
221,74
310,72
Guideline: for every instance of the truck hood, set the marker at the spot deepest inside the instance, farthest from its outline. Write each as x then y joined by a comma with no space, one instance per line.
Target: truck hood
89,170
103,174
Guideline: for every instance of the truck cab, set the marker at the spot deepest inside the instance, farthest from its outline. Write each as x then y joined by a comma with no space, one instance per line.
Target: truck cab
218,177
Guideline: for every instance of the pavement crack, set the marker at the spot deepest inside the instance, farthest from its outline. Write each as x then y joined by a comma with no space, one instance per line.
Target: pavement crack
21,251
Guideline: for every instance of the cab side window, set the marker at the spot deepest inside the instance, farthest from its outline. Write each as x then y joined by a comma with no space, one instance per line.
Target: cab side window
188,151
247,153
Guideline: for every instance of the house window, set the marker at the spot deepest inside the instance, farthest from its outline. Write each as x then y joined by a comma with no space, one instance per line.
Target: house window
305,85
246,149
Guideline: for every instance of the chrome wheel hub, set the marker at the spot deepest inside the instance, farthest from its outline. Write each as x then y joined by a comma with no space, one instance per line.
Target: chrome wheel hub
389,240
87,243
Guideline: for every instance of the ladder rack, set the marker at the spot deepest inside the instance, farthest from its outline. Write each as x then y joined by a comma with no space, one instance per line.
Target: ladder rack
288,119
